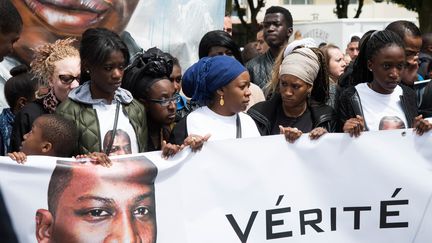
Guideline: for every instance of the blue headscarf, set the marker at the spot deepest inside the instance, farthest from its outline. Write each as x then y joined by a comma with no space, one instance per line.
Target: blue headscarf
209,74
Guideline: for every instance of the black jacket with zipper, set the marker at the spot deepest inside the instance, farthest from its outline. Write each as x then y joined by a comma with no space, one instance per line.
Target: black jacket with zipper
264,115
350,105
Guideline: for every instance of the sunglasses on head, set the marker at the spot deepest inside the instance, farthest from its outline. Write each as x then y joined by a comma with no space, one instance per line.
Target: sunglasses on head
67,78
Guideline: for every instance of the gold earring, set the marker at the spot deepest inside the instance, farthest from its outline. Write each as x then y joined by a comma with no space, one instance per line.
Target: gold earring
221,101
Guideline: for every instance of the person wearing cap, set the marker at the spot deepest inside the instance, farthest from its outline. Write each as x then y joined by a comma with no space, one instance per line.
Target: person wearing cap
300,90
220,84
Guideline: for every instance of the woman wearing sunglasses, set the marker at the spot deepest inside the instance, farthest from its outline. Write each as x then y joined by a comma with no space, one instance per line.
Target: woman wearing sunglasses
107,116
57,68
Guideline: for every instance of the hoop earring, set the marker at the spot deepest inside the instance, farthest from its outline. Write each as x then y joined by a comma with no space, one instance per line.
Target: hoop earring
221,101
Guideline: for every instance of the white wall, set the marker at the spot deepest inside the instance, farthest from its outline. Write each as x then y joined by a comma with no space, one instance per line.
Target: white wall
325,11
339,32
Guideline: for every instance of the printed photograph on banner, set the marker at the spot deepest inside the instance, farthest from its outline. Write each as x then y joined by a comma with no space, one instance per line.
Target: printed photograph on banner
88,203
80,201
121,144
47,21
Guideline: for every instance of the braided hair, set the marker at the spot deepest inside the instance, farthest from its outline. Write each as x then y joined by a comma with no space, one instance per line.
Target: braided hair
372,43
320,89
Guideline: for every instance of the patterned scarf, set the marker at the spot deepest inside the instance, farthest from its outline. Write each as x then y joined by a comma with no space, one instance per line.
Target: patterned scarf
50,102
6,121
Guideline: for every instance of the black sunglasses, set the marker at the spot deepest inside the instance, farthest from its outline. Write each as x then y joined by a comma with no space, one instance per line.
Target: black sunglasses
67,78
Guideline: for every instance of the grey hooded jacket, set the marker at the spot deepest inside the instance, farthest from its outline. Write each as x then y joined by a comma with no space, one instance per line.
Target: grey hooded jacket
79,108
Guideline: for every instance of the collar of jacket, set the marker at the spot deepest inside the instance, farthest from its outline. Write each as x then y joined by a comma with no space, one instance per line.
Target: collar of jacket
82,94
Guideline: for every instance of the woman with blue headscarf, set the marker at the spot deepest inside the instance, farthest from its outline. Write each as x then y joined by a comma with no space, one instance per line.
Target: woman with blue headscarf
220,85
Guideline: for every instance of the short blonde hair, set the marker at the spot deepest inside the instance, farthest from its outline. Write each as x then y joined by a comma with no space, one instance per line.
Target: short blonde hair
45,57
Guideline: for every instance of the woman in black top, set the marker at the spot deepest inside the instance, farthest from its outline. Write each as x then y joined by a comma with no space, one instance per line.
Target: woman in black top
300,90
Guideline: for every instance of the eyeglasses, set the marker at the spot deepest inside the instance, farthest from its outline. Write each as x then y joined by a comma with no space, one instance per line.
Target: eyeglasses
67,79
166,101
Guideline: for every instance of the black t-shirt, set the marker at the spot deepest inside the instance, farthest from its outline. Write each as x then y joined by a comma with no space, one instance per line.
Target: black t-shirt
303,122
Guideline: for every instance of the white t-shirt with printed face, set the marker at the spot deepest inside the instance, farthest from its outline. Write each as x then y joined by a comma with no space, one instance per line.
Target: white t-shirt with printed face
125,139
203,121
382,111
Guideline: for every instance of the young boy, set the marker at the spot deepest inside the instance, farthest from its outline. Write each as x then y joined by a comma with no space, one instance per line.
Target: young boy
54,135
51,135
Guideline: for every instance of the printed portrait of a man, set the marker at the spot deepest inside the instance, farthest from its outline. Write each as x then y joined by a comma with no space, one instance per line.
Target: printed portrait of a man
92,203
46,21
391,122
120,145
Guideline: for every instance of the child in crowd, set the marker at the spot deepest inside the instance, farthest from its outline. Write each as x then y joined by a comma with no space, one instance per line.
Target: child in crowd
53,135
19,90
50,135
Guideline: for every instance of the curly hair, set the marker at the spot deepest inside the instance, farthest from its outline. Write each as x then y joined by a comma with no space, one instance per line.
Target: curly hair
45,57
372,43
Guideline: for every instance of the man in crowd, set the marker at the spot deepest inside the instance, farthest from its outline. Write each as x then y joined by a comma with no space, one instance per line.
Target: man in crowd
353,47
261,45
425,56
277,27
411,36
228,24
92,203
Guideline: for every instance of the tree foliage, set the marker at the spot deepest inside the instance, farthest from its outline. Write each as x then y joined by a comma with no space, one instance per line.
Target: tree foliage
341,10
246,31
423,9
410,5
254,10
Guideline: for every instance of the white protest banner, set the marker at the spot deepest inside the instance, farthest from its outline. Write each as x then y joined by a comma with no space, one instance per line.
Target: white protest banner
375,188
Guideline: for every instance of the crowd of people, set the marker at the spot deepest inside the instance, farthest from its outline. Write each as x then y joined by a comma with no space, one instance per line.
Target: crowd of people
103,98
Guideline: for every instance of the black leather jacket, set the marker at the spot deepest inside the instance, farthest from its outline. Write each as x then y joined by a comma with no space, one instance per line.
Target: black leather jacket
426,105
264,115
350,105
260,69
